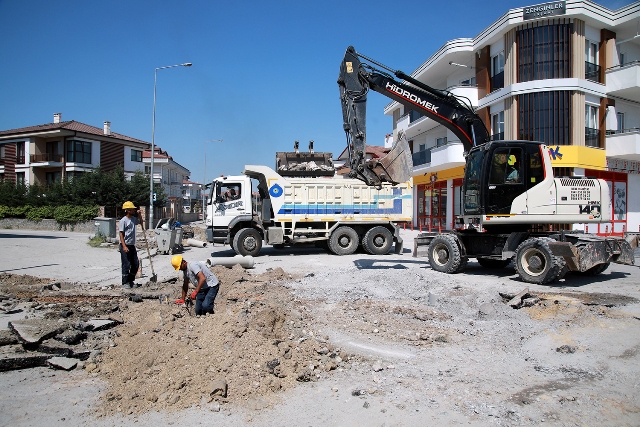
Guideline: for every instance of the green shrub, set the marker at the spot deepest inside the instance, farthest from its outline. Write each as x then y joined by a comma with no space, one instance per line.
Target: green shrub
40,213
71,214
5,211
20,211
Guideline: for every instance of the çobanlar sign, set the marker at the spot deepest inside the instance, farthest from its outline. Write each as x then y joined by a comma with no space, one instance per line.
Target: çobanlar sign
543,10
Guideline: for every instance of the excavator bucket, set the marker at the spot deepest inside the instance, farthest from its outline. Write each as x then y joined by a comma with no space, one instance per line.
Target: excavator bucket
397,165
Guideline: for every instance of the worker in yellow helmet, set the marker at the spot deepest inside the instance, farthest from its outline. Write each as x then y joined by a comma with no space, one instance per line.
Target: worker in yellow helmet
127,247
202,278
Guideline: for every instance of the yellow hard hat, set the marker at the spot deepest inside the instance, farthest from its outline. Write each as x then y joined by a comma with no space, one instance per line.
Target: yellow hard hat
128,205
176,262
512,160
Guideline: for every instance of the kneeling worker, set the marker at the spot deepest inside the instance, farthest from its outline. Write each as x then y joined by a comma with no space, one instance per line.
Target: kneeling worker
205,282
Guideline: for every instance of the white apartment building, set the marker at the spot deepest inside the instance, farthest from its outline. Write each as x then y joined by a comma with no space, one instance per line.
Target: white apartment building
566,73
166,172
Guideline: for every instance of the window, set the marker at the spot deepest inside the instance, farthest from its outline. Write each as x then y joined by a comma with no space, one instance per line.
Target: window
136,156
497,64
590,52
468,82
20,178
497,126
2,152
621,58
79,152
422,147
147,169
591,126
620,117
20,159
544,52
545,116
441,141
505,168
52,177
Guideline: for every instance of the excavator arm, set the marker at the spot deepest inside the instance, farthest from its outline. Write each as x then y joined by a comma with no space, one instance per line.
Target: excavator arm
355,80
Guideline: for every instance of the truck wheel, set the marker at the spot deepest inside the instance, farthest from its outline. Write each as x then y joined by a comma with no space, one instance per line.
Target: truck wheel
377,241
343,241
247,242
535,263
595,270
493,263
445,255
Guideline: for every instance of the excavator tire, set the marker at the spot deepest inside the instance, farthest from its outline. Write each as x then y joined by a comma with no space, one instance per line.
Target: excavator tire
594,271
535,263
247,242
445,255
377,241
344,241
493,263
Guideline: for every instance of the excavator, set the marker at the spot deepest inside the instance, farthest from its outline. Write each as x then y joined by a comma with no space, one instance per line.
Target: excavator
509,192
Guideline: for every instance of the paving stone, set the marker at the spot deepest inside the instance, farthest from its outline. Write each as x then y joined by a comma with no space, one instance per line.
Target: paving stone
62,363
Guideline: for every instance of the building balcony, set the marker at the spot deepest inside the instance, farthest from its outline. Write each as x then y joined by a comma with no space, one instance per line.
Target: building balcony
592,72
20,160
421,158
591,137
440,158
624,144
44,160
624,81
497,81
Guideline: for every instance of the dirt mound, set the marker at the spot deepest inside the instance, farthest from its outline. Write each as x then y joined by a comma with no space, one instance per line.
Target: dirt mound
254,345
21,286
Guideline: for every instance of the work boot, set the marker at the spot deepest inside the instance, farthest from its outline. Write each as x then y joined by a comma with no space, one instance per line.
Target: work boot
127,286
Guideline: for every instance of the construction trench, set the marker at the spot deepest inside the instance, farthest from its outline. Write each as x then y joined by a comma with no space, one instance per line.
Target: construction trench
355,340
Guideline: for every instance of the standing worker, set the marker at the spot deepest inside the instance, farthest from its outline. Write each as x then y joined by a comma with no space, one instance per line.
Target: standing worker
128,252
205,282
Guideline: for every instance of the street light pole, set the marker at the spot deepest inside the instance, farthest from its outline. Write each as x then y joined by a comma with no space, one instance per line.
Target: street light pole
204,183
153,135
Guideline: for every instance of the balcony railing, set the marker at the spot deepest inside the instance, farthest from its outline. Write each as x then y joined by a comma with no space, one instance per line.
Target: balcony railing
421,157
39,158
20,160
497,136
592,137
621,131
592,72
497,81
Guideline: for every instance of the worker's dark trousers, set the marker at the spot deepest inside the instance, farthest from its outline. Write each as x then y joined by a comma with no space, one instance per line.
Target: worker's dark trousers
205,299
129,264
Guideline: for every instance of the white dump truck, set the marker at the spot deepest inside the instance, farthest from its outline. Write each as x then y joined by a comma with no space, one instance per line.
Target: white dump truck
338,214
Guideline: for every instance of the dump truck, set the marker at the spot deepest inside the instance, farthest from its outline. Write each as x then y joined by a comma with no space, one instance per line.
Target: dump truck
306,203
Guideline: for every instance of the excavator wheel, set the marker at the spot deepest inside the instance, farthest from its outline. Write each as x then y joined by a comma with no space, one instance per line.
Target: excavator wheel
493,263
535,263
445,255
247,242
377,241
343,241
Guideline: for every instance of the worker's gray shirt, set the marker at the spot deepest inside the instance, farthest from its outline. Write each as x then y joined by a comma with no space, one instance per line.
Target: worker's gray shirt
195,267
128,227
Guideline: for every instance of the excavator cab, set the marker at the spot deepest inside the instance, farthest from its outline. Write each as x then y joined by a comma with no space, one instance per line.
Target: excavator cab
497,173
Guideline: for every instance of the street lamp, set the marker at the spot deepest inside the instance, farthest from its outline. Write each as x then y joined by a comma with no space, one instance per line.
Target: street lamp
153,134
204,183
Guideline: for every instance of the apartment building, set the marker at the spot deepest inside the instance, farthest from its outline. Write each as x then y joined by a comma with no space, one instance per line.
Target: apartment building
166,172
48,152
566,73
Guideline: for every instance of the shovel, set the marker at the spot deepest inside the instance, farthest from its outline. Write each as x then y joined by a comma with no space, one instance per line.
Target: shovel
154,276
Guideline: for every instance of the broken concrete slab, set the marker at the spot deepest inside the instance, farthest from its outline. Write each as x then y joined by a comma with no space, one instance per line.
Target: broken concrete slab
517,300
62,363
71,336
100,324
7,338
14,357
54,347
35,331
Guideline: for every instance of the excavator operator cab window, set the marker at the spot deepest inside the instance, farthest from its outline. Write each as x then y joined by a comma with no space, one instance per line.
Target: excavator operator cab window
506,165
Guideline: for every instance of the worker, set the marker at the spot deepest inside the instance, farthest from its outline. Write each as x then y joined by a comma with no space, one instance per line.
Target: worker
498,168
206,283
513,176
127,246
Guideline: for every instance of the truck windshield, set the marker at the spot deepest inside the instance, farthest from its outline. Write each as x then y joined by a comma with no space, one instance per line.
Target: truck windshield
472,172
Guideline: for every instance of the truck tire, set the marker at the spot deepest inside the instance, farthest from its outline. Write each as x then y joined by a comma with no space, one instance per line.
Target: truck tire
535,263
247,242
445,255
343,241
595,270
493,263
377,241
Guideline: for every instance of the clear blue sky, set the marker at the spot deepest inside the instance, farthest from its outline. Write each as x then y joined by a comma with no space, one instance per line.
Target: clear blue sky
264,72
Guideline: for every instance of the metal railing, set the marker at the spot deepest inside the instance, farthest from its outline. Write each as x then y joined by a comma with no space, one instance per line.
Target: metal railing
421,157
591,137
621,131
497,81
37,158
20,160
592,72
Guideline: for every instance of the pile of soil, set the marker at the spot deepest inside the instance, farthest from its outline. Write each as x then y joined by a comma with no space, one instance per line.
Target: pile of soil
256,344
